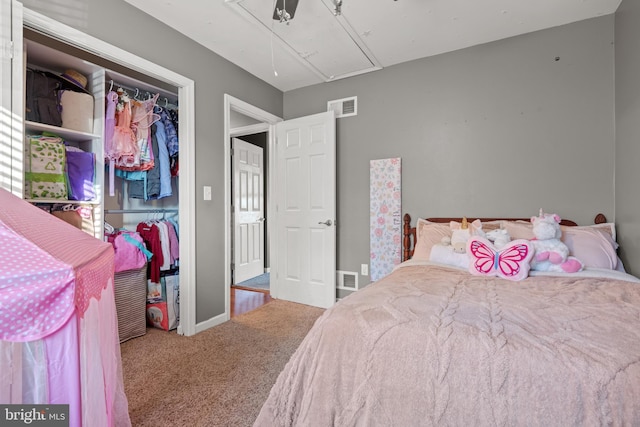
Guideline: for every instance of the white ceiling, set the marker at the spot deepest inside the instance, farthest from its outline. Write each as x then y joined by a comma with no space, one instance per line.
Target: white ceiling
317,46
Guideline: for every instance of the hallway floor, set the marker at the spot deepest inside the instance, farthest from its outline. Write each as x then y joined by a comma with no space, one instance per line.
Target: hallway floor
243,300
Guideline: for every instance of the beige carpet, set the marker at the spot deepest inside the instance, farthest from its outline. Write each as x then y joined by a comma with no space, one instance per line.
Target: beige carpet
219,377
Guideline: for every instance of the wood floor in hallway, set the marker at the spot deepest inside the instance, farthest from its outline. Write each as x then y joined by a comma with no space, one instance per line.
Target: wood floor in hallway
243,300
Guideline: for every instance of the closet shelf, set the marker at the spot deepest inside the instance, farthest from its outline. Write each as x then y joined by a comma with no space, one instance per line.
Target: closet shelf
65,201
69,134
124,211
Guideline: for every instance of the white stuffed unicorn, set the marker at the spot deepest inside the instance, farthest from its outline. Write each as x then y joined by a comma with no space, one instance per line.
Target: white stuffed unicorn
551,254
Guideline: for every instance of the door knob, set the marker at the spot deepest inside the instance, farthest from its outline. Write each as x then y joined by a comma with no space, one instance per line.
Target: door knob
260,219
327,222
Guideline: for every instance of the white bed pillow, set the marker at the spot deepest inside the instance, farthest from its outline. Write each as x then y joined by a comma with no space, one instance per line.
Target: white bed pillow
445,255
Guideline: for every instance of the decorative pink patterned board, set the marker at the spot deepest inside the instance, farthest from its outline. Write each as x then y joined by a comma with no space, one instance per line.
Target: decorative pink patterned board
385,178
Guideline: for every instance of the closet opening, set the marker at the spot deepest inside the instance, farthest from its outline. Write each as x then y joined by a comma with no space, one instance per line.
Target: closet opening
141,198
108,69
118,145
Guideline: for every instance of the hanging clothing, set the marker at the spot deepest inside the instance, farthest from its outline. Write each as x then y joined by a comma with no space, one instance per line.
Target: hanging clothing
173,115
149,188
141,120
175,166
174,244
124,140
165,245
163,158
172,134
110,153
151,236
145,151
176,227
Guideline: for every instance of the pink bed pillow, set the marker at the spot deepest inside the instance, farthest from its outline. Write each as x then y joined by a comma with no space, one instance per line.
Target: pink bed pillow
431,233
519,229
428,234
594,245
491,225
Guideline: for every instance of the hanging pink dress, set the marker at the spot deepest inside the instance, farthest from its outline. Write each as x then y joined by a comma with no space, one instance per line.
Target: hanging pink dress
124,139
142,117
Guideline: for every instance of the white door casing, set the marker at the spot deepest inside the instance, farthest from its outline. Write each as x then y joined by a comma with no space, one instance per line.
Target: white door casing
267,122
11,96
10,61
306,210
248,206
5,94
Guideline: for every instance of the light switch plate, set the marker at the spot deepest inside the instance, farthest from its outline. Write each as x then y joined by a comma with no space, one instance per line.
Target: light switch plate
207,192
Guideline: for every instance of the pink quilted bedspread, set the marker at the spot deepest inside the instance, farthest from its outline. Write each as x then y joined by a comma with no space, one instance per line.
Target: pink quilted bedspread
431,345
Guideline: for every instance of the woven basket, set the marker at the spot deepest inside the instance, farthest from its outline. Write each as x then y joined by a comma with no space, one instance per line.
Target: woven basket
130,288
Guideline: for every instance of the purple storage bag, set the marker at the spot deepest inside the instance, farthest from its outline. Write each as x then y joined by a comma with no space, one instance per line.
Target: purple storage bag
81,173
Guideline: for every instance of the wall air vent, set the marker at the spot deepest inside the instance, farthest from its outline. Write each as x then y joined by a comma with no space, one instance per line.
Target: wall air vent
344,107
347,280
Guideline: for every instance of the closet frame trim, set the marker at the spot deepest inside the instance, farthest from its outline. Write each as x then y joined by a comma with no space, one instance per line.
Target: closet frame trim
186,99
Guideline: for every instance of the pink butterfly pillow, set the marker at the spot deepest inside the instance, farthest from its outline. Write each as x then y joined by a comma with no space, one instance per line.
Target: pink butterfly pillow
511,262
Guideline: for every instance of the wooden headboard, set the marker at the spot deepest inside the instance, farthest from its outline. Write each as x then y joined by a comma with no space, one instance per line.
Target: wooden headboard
409,232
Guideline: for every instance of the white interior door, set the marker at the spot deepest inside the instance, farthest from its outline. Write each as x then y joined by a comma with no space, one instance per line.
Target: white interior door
306,210
248,175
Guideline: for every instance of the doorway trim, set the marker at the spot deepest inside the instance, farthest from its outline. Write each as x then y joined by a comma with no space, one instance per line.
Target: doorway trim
186,99
268,121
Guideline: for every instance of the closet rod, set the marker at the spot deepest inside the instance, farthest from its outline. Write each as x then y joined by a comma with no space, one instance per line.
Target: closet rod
113,85
122,211
135,90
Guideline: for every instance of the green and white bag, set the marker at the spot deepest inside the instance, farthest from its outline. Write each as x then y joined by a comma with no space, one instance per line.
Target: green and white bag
45,175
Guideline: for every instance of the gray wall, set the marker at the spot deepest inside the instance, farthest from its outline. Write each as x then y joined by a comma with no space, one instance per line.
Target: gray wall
124,26
627,32
498,129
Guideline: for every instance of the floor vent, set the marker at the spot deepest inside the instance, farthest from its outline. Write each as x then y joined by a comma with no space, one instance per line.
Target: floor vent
347,280
344,107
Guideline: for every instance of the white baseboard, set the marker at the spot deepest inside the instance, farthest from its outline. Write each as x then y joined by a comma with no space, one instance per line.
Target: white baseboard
214,321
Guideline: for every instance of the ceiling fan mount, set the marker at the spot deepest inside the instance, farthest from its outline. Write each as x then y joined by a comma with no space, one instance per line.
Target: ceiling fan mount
285,10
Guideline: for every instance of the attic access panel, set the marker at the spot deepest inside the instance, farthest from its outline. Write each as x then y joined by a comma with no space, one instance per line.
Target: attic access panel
326,43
